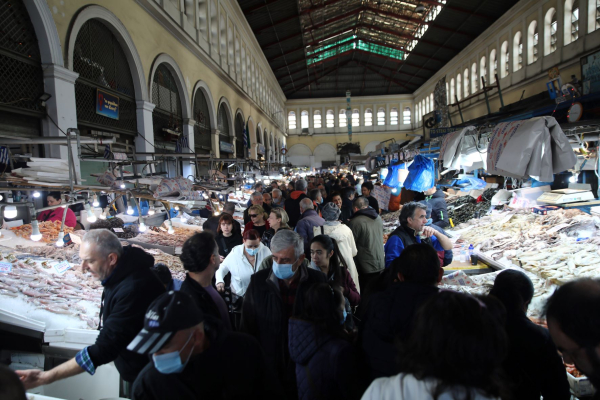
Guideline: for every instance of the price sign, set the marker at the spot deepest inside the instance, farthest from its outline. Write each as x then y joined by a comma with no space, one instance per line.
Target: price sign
119,230
62,267
5,267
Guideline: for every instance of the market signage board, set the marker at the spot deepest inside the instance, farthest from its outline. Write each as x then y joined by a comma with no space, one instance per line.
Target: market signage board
590,73
107,104
62,267
382,194
437,132
226,147
260,149
5,267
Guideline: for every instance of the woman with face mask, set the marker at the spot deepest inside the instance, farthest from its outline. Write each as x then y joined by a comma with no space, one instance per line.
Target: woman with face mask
227,235
258,220
325,257
242,263
278,219
326,362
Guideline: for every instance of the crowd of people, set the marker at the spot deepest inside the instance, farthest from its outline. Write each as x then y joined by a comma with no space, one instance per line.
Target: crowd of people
308,303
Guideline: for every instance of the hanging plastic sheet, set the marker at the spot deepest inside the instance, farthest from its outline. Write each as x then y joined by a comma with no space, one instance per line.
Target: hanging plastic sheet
469,183
450,148
396,175
534,148
421,175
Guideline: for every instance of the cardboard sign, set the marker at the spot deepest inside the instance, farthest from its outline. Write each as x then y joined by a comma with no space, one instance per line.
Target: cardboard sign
119,230
62,267
382,195
5,267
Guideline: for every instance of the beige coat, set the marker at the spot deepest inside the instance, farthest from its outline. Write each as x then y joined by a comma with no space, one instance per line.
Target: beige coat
345,240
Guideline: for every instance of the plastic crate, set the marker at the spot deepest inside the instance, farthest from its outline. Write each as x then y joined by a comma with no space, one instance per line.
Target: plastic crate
580,386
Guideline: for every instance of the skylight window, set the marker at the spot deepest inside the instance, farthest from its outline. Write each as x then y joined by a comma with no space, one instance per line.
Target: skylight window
349,43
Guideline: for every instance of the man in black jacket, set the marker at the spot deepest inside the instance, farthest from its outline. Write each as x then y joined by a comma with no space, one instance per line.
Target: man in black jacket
292,203
212,224
389,315
211,362
273,296
129,288
437,209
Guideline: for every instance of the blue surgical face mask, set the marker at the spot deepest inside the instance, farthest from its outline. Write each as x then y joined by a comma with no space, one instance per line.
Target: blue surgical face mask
252,252
170,363
321,200
345,314
283,271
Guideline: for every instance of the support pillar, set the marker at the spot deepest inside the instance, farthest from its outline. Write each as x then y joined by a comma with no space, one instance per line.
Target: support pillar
59,82
189,166
215,143
144,143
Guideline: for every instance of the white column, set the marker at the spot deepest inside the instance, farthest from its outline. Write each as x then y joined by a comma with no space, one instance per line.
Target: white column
215,143
59,82
145,128
189,168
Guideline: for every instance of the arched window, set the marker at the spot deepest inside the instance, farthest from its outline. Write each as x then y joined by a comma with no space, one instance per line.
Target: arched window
431,101
518,52
482,70
292,120
423,107
532,42
447,94
381,116
406,117
102,65
343,119
330,119
202,127
571,21
258,135
504,60
593,15
466,82
493,66
427,105
368,117
474,86
550,32
317,119
167,114
304,119
394,116
355,117
240,149
459,86
452,96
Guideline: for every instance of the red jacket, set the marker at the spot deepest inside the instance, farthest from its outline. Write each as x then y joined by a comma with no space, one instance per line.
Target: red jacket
57,214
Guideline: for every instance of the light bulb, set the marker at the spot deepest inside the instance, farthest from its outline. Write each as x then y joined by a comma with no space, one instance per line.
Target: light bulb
91,217
10,212
36,236
395,190
129,210
36,194
96,203
142,227
1,197
60,242
176,208
122,186
573,179
170,230
151,211
103,215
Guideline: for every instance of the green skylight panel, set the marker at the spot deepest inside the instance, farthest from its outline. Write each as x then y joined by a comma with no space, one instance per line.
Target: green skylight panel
350,43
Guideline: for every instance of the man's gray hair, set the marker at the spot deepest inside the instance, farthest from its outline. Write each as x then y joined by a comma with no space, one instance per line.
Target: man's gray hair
284,239
257,195
300,185
276,191
229,208
267,194
106,242
408,211
361,203
306,204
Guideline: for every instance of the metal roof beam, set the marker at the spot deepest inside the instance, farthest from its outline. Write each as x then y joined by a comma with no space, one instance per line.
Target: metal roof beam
258,7
459,9
310,81
315,8
281,21
334,19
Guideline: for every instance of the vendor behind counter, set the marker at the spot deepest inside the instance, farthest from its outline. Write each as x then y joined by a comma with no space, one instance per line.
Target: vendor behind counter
56,214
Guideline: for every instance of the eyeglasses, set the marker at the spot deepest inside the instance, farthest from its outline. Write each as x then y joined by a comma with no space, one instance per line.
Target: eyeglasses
253,215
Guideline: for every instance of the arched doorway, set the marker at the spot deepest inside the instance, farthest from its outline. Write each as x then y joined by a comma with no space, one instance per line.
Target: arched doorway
104,79
225,145
167,117
260,148
240,148
21,79
202,126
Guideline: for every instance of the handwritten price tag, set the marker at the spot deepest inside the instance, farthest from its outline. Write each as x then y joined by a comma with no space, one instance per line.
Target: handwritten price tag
119,230
62,267
5,267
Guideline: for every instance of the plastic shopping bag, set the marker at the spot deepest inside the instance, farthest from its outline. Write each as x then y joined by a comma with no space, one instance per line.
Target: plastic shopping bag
421,174
468,184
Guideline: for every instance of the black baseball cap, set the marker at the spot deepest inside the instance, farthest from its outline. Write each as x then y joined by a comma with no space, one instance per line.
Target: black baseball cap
169,313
